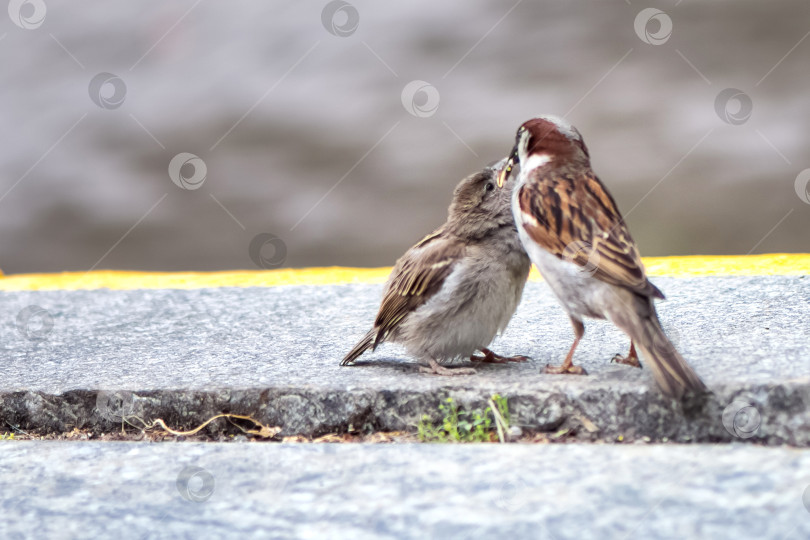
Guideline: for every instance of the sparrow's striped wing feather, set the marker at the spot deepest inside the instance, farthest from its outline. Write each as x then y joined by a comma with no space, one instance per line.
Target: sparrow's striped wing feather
571,214
416,277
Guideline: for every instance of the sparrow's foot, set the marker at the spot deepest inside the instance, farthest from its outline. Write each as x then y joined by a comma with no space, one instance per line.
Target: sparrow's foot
565,370
627,360
568,367
631,359
493,358
436,369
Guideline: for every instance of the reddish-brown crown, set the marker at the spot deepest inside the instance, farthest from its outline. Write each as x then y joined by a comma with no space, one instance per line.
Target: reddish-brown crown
554,136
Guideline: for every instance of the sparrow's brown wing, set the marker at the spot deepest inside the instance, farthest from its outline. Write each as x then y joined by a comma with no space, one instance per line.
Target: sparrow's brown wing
570,213
416,277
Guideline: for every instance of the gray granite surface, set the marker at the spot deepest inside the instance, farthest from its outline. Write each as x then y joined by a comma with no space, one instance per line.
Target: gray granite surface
274,353
257,490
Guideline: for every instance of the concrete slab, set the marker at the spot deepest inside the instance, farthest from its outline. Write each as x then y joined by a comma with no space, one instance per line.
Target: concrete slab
185,355
184,490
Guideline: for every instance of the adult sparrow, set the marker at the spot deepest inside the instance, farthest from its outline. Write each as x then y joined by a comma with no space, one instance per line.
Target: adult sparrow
451,293
574,233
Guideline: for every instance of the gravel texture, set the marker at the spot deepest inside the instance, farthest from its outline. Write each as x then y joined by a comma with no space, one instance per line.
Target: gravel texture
273,353
253,490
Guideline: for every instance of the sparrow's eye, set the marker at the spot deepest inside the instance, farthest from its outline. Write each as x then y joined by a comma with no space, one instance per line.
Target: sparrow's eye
490,186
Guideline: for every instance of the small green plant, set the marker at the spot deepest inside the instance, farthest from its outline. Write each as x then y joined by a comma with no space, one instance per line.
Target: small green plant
466,426
6,436
503,408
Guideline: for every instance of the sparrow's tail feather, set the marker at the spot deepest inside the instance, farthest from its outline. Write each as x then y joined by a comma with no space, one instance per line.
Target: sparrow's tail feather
362,346
673,374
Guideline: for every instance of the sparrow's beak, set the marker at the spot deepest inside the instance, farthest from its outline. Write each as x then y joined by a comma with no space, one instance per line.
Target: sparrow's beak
507,168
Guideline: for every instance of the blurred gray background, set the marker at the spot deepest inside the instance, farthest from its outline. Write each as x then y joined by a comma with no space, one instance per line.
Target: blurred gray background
308,124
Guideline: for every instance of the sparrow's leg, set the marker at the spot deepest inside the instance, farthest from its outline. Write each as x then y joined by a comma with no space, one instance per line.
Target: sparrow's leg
436,369
493,358
631,359
568,366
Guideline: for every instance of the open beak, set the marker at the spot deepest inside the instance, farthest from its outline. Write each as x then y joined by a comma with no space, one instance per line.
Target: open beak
507,168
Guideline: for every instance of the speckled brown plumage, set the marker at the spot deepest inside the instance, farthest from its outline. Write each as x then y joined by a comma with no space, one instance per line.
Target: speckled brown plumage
574,233
416,279
571,214
453,291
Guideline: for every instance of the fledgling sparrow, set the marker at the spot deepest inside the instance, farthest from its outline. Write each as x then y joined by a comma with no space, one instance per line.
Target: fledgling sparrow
574,233
454,291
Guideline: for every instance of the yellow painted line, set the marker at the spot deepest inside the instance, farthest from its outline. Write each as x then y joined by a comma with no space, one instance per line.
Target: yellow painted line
790,264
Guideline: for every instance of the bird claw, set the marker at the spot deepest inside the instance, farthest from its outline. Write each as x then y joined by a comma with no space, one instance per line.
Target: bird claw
626,360
562,370
441,370
493,358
